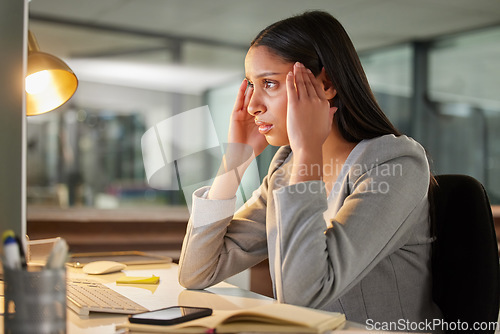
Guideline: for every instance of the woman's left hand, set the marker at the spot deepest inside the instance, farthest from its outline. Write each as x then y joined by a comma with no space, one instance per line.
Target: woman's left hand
309,115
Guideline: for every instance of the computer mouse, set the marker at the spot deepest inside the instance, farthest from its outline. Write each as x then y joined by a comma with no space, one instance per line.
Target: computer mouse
102,267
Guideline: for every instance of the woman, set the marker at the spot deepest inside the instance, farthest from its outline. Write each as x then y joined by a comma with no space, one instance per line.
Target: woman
343,214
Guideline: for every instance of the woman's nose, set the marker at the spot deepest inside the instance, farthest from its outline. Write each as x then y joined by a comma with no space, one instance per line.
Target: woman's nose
255,106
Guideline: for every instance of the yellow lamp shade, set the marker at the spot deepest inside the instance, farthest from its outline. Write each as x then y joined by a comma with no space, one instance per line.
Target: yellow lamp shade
49,81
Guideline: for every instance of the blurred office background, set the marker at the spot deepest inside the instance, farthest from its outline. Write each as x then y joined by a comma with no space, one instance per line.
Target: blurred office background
434,66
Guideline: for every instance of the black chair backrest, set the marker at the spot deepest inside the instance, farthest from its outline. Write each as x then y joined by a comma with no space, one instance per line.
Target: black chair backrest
465,254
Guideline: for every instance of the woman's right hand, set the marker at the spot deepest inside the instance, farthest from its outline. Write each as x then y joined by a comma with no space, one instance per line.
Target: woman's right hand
242,127
245,143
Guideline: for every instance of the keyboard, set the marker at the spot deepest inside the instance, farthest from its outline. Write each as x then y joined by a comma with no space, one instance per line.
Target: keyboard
85,296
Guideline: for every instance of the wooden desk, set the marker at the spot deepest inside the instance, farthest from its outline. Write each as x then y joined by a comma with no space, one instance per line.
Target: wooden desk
94,230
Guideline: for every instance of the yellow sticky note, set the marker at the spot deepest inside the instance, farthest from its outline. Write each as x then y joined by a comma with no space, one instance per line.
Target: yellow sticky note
138,280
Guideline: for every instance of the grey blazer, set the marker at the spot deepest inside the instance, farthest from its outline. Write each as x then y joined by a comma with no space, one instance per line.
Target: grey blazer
364,250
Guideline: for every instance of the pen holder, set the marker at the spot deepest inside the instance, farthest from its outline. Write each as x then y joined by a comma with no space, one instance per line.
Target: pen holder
35,301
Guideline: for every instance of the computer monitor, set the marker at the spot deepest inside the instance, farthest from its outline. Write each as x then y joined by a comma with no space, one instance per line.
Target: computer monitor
13,43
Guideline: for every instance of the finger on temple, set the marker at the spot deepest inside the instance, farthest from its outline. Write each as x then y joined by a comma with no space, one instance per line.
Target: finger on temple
238,104
298,70
248,96
290,88
317,86
310,83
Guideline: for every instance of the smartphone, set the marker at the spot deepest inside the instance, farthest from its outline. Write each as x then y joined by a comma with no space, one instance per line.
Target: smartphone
170,315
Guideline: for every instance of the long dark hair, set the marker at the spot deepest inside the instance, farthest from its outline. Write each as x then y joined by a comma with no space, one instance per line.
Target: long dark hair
317,40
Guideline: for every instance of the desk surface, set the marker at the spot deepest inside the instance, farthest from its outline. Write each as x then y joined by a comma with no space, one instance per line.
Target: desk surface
167,293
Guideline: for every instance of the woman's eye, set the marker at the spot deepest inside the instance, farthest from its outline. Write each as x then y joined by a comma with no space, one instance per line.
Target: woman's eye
269,84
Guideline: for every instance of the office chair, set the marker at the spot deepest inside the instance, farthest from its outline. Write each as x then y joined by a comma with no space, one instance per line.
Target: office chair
465,260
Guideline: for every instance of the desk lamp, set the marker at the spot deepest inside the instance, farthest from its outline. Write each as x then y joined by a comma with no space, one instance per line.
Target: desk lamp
49,81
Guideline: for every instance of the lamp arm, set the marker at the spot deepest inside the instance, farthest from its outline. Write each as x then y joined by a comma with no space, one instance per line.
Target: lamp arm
32,43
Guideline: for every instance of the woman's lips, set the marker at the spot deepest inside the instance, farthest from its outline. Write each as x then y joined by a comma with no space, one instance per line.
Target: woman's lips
264,127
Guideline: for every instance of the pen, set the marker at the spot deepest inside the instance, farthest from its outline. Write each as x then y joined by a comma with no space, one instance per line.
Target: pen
21,252
11,251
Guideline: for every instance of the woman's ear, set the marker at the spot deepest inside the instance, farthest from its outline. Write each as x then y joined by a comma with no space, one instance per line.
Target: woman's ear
330,91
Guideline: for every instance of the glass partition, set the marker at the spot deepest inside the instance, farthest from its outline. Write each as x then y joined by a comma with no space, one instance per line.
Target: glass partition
464,99
84,155
389,72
